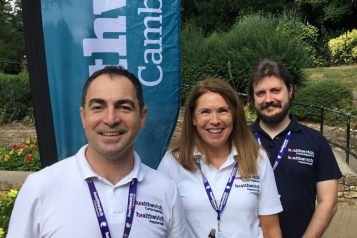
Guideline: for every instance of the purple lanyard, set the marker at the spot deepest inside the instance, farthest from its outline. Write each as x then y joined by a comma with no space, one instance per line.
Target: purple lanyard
226,192
282,149
102,221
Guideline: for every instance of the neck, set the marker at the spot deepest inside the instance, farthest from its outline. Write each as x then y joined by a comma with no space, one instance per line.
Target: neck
218,155
111,169
274,129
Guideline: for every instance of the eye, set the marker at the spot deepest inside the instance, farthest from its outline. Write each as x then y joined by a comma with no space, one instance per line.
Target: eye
223,110
204,112
125,108
276,90
96,108
259,94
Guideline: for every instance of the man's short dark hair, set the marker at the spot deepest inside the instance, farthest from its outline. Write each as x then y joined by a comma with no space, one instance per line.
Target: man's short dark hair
269,68
115,71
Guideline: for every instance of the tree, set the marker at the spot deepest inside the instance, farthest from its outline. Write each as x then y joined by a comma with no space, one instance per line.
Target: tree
329,12
12,41
221,15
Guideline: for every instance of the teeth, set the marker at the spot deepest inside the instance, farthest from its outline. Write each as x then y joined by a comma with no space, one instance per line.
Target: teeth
216,131
111,133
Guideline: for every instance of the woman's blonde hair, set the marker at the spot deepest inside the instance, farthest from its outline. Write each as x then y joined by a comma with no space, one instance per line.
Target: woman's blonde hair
241,137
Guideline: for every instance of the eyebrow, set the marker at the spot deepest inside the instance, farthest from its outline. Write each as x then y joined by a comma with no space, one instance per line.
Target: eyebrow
96,100
118,102
204,108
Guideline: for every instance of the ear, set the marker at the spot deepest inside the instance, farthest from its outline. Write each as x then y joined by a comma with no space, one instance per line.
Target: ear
143,115
81,112
194,122
291,88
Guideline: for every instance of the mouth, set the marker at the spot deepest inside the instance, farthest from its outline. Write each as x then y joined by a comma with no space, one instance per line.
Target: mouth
273,105
113,133
215,131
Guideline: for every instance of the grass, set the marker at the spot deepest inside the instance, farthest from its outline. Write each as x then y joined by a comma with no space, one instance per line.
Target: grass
347,74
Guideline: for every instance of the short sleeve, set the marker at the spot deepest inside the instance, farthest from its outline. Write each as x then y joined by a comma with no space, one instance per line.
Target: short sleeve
26,215
327,165
178,228
269,199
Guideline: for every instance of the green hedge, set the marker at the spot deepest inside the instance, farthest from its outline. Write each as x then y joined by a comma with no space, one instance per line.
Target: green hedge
15,98
232,56
328,93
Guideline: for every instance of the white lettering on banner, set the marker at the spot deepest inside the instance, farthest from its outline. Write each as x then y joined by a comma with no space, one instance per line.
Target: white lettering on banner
106,25
100,6
156,53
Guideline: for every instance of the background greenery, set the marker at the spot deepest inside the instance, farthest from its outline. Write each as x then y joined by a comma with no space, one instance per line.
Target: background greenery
12,42
7,202
233,55
328,93
15,98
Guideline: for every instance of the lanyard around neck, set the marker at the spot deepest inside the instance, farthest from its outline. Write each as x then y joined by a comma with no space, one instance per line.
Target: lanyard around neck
282,149
102,221
226,192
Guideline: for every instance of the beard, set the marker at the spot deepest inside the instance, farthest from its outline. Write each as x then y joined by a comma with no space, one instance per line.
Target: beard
277,117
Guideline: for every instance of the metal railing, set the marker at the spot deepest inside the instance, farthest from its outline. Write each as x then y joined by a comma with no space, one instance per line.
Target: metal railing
347,149
11,62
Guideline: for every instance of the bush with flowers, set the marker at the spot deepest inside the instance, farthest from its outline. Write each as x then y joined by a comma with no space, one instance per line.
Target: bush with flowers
22,157
6,205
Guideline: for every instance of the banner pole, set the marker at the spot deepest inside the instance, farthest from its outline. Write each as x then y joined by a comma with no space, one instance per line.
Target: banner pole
35,48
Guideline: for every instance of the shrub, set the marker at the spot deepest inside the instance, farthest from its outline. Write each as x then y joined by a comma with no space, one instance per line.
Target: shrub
344,48
232,56
15,98
322,46
24,157
6,205
327,93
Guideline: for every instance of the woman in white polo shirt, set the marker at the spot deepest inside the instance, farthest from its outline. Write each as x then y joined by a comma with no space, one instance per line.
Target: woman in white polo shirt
225,179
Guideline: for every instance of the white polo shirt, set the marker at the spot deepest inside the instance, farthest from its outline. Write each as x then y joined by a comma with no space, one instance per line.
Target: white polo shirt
246,201
55,202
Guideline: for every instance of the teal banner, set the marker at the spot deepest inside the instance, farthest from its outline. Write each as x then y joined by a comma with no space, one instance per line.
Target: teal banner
83,36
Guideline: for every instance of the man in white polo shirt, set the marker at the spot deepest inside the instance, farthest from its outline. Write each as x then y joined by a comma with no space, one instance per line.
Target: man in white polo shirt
104,190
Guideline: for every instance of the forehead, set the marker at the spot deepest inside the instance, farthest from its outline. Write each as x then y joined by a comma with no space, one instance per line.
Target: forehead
115,88
211,99
268,83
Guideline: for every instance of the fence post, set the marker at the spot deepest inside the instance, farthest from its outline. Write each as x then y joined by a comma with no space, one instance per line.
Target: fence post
348,138
322,120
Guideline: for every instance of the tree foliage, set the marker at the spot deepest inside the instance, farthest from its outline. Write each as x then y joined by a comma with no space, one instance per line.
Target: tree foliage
328,10
12,42
221,15
233,55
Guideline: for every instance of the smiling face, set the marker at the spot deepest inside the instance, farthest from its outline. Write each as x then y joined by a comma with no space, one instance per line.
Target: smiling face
271,97
111,117
213,120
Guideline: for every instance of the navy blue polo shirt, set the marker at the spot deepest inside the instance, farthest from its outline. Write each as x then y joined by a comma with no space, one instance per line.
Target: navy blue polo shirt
308,159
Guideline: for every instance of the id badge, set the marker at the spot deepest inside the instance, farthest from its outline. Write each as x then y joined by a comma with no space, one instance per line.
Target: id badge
220,234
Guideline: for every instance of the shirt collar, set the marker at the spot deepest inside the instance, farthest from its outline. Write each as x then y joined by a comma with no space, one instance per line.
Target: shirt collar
87,171
233,157
293,126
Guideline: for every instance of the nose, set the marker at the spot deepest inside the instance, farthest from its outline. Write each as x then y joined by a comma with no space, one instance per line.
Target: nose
111,117
269,98
215,118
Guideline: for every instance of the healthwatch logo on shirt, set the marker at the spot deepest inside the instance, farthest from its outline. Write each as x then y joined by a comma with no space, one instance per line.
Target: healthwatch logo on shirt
152,218
308,153
254,178
150,206
302,160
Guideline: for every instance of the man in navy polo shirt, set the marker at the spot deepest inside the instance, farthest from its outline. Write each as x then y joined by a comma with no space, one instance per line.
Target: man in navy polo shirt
303,162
